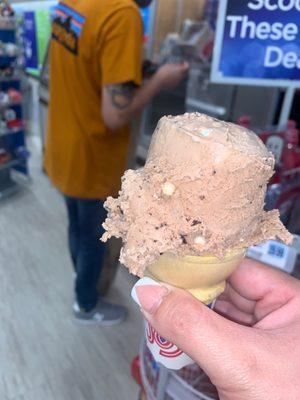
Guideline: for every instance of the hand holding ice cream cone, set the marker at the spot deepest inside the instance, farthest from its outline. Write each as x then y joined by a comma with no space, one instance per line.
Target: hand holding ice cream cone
252,350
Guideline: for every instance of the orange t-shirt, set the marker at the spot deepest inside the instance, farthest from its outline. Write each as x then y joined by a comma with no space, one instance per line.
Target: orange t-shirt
94,43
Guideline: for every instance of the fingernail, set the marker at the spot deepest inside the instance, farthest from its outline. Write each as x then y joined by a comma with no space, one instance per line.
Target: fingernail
149,294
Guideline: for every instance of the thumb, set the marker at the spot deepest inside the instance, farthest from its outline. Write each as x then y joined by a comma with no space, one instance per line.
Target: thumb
218,345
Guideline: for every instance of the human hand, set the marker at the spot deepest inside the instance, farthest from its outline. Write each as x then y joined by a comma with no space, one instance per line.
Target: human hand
170,75
252,350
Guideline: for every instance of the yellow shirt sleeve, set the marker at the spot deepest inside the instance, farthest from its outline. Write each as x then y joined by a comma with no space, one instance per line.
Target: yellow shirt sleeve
121,49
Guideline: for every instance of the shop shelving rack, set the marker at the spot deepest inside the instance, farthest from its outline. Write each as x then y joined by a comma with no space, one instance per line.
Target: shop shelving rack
159,383
13,152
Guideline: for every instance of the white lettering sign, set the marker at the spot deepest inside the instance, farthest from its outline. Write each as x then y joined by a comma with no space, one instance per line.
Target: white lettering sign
275,57
273,5
258,42
243,27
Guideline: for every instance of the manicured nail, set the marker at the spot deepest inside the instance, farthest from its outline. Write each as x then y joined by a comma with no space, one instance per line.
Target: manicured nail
149,294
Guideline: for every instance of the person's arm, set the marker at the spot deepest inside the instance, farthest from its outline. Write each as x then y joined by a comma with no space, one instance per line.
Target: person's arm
252,350
122,101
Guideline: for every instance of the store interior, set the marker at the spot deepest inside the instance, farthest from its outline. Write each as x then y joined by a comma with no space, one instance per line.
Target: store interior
44,354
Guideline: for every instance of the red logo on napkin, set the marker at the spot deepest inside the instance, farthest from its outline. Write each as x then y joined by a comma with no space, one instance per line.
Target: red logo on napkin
167,349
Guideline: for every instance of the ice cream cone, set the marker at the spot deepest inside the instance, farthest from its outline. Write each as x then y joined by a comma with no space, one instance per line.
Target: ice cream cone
203,276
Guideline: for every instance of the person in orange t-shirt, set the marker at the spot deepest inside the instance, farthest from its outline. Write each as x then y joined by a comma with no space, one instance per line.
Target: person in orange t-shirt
95,90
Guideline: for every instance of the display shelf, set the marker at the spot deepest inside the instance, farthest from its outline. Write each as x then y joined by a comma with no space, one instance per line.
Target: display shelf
11,57
8,23
11,164
159,383
9,190
12,131
7,28
10,78
9,105
12,138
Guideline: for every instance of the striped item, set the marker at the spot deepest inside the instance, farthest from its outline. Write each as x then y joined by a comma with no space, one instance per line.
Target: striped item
63,12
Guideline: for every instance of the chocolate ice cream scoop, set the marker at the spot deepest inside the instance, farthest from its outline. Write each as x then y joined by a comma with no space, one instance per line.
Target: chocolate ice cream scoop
200,193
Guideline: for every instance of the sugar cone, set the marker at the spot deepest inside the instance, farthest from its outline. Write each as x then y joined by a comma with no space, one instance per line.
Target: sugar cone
204,277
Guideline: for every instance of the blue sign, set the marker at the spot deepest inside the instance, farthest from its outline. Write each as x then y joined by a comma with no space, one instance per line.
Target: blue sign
145,12
35,30
30,40
258,43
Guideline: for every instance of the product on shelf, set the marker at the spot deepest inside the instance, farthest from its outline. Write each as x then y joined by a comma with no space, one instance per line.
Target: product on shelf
10,98
189,383
3,127
4,156
4,99
283,191
22,153
283,142
9,115
11,112
11,120
15,96
8,49
6,71
6,9
15,124
11,50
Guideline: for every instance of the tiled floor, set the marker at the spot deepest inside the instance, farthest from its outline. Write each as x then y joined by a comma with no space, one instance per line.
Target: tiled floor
44,355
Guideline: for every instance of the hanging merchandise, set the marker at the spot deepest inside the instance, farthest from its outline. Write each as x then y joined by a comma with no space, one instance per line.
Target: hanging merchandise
6,9
211,12
283,192
159,383
36,29
13,152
